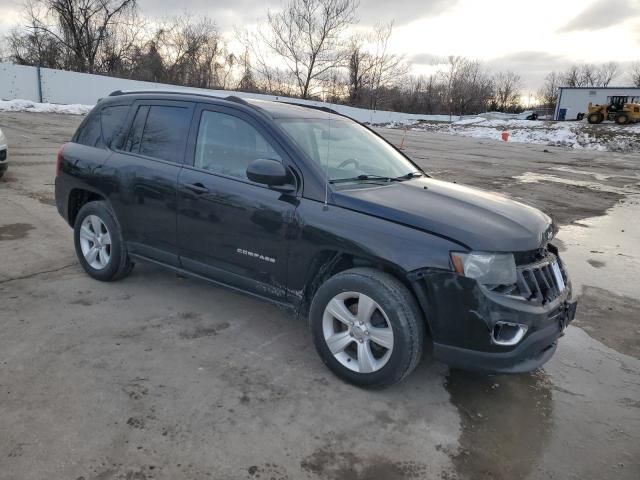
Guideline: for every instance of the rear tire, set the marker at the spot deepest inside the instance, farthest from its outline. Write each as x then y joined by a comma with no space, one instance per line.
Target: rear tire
373,307
595,117
622,119
99,245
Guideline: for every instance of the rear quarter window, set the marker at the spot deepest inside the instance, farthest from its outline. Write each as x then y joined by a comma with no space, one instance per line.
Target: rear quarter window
89,133
113,123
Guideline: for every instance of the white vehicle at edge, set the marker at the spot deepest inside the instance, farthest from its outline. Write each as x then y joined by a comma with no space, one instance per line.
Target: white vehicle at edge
4,154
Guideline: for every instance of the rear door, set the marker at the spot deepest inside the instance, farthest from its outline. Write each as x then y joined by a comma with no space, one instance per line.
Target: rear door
146,166
229,228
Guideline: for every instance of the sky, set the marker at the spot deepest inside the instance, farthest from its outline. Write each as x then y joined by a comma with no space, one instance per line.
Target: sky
529,37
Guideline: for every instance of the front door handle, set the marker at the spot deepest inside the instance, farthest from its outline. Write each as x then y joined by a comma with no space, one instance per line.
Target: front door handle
197,188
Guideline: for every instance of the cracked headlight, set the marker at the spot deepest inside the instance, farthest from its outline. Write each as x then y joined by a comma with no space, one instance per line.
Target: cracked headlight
486,268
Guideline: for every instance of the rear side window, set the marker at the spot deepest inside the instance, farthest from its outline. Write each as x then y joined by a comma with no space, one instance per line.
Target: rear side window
89,132
164,134
133,142
112,119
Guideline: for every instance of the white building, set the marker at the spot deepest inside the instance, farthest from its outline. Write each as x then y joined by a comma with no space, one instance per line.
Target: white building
573,101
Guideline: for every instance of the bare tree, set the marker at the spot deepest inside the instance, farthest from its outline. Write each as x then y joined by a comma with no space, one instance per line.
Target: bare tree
247,81
387,68
607,73
193,52
573,77
468,88
359,67
306,34
268,78
589,75
548,94
507,87
634,75
32,47
121,46
81,27
372,68
450,76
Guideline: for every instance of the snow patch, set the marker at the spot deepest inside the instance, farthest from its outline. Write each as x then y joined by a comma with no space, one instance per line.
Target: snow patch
576,135
29,106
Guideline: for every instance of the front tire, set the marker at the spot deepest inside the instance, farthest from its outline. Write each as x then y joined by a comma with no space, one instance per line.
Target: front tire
367,327
99,245
595,118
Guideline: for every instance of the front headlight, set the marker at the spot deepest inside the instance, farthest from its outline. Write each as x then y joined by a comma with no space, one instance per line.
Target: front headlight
486,268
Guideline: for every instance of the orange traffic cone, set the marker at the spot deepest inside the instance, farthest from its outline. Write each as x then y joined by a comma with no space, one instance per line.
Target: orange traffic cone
401,147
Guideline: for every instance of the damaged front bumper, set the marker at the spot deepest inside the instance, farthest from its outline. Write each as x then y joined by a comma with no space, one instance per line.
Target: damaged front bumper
466,321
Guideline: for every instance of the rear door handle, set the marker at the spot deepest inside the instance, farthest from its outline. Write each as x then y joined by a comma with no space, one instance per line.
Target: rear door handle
197,188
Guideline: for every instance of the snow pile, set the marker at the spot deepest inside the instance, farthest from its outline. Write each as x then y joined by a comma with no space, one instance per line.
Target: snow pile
29,106
400,124
577,135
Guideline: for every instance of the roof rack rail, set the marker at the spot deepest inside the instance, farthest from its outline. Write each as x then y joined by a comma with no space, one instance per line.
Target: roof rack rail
313,107
236,99
164,92
229,98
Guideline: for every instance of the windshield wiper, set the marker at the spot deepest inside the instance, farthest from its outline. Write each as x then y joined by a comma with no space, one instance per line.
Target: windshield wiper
365,177
409,176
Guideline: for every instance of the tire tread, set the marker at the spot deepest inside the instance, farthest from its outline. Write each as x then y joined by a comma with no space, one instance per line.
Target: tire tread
408,309
125,265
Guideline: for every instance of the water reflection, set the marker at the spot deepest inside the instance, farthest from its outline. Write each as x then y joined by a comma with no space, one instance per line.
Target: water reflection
506,423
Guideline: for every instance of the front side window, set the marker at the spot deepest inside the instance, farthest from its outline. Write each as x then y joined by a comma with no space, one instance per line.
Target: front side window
227,145
345,149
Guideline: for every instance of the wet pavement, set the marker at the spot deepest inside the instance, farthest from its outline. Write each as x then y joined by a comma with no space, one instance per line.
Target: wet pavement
579,417
162,377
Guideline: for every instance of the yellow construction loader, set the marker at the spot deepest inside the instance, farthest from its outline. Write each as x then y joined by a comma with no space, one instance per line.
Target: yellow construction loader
619,109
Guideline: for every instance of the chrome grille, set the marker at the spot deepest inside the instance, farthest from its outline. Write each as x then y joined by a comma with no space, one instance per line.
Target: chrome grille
537,281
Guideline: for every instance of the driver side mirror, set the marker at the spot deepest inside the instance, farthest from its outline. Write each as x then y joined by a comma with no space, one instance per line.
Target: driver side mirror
271,173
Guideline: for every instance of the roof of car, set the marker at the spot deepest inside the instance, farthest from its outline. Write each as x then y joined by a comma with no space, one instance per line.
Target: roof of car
273,108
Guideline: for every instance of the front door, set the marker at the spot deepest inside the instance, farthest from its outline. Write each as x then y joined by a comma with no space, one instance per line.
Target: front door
230,229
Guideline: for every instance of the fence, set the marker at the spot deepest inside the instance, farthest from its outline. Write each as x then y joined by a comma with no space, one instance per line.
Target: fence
59,86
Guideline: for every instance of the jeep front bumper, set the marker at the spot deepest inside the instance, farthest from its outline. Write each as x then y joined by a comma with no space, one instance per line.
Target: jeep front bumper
463,318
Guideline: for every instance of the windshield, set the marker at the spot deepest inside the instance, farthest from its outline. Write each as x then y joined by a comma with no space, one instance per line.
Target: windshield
346,150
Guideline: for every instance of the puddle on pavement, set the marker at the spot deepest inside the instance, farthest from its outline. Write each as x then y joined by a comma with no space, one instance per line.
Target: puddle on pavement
539,425
604,251
506,421
598,176
531,177
14,231
619,314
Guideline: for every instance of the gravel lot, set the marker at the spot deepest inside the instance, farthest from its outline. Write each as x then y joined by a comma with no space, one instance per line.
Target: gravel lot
162,377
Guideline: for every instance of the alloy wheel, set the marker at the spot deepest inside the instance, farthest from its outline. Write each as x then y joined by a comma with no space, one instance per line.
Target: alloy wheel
357,331
95,242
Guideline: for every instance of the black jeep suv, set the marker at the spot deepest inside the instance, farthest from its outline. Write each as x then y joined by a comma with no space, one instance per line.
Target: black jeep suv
310,210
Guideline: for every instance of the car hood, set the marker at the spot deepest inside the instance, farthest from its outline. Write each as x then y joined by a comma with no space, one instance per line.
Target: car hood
475,218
